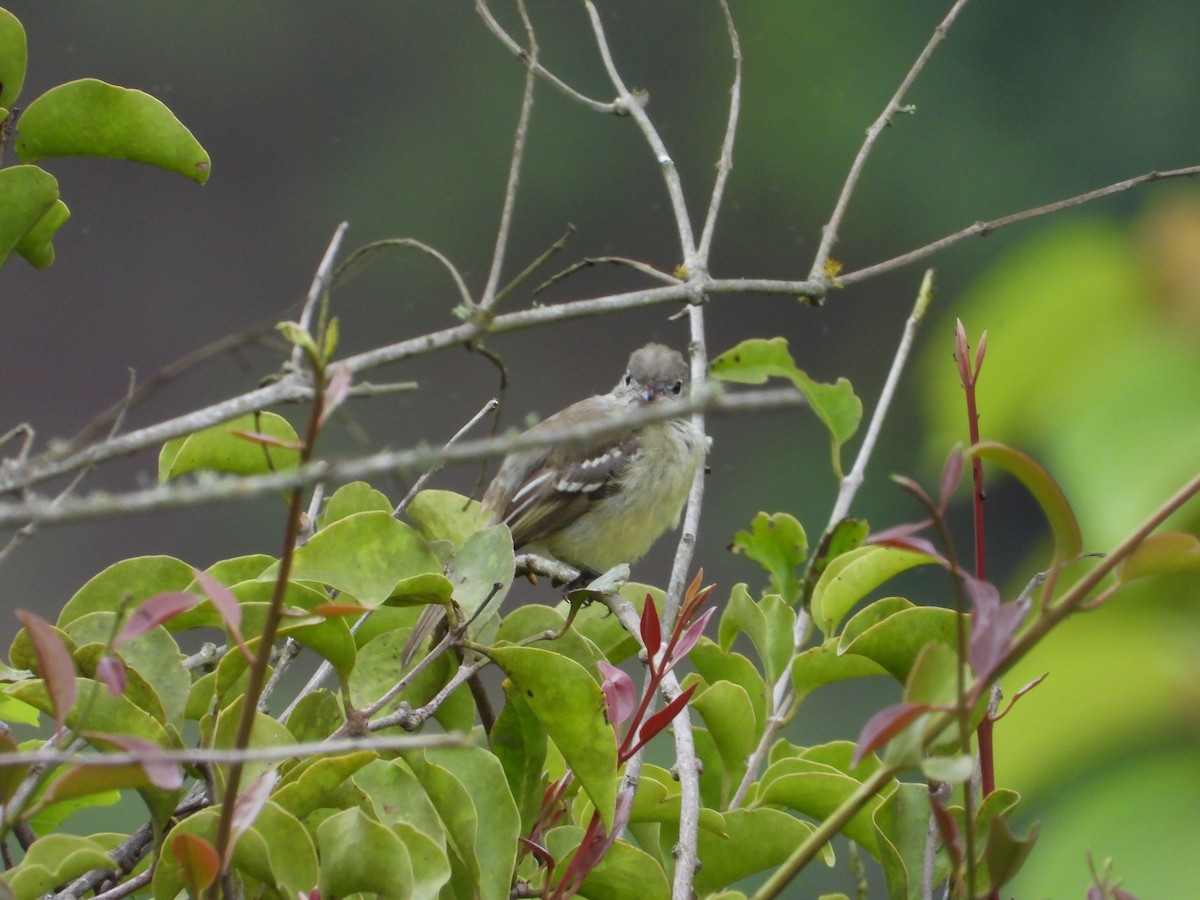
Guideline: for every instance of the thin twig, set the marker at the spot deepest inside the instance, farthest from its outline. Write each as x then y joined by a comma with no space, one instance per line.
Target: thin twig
829,233
600,106
586,262
221,488
320,284
854,478
489,298
983,229
635,107
725,161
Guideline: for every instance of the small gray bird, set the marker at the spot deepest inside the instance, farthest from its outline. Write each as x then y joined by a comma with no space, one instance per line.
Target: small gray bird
605,502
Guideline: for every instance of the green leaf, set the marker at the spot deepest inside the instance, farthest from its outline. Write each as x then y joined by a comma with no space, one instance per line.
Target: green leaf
754,361
447,516
754,840
715,665
481,774
533,618
769,624
313,782
364,555
355,497
481,571
1169,553
519,742
430,864
28,195
154,656
624,873
264,732
37,246
14,56
90,118
604,630
397,796
317,716
851,576
570,705
1004,852
727,712
1068,542
901,831
222,449
895,642
130,580
52,860
347,841
823,665
955,769
816,790
778,544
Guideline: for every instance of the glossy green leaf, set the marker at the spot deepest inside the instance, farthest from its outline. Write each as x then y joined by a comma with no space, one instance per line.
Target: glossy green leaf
816,790
933,678
754,361
154,656
1169,553
52,860
901,833
396,796
778,544
137,689
317,716
481,571
570,705
895,642
1005,853
310,784
430,865
14,57
754,840
715,665
96,710
355,497
727,713
624,873
533,618
222,448
460,819
90,118
87,781
37,244
264,732
495,845
956,769
447,516
27,195
769,623
347,841
365,555
1068,542
330,638
604,629
130,580
823,665
853,575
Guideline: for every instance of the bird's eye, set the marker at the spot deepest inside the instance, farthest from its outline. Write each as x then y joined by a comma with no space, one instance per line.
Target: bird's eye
677,388
628,379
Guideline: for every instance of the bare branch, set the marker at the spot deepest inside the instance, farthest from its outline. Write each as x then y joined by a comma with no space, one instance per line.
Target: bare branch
983,229
489,20
830,232
725,161
320,284
489,298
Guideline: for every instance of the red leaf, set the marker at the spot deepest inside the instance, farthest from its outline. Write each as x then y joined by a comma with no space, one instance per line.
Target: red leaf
660,720
266,440
688,641
110,671
162,773
915,489
227,608
337,390
885,725
979,351
962,352
329,610
620,696
153,612
54,664
651,629
951,476
198,862
993,625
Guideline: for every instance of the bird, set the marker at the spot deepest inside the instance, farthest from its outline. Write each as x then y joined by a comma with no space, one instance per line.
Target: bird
605,501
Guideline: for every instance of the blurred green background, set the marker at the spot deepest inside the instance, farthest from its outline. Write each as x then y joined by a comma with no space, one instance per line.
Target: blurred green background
399,117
